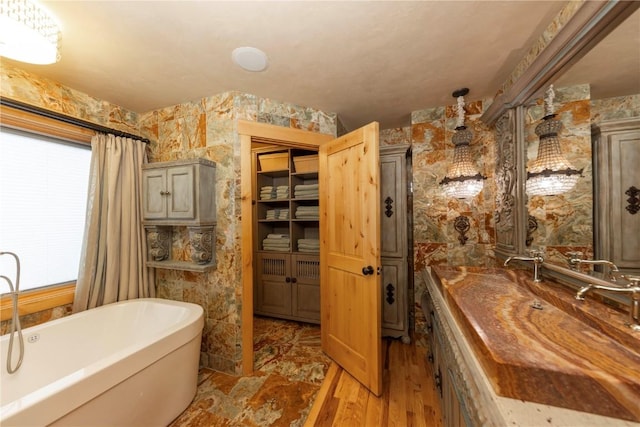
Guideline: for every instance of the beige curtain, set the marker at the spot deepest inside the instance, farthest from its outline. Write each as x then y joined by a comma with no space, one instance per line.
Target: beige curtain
112,265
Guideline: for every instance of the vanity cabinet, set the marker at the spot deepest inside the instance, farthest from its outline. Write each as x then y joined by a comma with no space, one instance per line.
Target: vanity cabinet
180,193
444,368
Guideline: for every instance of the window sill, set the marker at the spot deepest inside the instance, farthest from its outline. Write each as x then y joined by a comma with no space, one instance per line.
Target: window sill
33,301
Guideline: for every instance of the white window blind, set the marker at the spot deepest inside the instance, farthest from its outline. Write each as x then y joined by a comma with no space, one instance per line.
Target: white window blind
43,197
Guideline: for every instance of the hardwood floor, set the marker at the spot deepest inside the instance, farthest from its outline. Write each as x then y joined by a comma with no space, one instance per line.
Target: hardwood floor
409,397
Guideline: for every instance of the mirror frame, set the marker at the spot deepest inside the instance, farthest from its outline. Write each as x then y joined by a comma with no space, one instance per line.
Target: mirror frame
591,23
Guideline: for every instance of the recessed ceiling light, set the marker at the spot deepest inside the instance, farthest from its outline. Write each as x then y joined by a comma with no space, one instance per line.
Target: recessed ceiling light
250,58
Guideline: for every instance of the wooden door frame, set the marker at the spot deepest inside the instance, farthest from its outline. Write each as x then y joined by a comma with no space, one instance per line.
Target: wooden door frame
249,133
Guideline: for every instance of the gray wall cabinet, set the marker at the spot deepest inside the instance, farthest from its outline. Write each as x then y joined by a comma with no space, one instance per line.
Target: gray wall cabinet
180,193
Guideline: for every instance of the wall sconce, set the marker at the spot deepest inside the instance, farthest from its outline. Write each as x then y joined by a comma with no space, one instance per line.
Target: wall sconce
28,32
463,180
550,173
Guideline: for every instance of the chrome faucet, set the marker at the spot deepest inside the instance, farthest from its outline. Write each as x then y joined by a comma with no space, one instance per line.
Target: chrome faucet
537,259
15,316
575,260
634,309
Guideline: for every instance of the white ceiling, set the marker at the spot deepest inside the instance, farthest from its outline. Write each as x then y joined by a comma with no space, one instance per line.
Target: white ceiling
364,61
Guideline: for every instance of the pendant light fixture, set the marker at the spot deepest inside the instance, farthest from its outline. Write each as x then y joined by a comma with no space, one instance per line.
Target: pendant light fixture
550,173
463,180
28,32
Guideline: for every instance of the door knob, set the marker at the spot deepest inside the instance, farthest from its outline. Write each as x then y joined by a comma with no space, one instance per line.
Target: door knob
367,270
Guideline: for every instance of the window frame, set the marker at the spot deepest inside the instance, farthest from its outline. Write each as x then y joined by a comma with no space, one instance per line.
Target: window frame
47,297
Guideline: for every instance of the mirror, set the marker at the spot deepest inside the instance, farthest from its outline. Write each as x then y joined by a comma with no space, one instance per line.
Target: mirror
601,88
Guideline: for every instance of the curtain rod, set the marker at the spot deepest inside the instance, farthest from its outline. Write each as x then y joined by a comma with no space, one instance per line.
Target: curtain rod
67,119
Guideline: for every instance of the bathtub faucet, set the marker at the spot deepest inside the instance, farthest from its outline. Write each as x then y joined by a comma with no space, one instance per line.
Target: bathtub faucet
634,309
537,259
15,318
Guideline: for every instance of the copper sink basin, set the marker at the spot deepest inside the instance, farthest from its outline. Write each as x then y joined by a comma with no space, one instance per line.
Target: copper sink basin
537,343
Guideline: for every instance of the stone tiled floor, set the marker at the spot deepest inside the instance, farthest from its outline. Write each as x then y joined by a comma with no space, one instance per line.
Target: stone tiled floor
290,368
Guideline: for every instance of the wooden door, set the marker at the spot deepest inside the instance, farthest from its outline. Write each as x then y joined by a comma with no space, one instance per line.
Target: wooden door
350,254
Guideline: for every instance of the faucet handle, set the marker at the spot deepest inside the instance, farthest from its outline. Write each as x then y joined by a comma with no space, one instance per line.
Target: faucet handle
574,259
575,256
536,253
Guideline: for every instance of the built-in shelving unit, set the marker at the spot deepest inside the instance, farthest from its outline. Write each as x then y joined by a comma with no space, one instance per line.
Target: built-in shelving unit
287,269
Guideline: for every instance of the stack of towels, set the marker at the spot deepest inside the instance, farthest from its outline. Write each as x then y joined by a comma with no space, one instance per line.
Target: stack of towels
267,192
282,192
309,245
302,191
277,214
276,242
307,212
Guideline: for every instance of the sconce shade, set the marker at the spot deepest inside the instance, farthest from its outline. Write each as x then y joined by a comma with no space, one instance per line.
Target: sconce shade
28,33
550,173
463,180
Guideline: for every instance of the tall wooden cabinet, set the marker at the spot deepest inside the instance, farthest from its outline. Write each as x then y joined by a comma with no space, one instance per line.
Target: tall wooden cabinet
287,281
395,240
617,192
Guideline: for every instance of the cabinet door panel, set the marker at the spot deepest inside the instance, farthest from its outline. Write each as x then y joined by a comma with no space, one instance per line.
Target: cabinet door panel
625,175
275,297
306,290
182,192
393,296
273,290
392,209
154,205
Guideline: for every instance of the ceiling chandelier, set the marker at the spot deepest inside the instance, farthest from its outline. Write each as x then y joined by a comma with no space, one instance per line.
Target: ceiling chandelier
463,180
28,32
550,173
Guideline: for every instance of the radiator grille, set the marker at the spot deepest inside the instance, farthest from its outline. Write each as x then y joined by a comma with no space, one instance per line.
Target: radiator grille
307,269
274,267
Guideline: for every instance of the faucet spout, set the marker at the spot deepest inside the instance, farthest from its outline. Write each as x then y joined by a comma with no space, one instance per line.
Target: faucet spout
634,309
575,261
15,318
537,259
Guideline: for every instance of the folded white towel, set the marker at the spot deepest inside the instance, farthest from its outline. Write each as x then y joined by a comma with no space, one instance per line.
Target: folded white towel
277,236
306,187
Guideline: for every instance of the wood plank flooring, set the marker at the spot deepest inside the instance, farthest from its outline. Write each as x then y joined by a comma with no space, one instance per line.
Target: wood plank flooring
409,397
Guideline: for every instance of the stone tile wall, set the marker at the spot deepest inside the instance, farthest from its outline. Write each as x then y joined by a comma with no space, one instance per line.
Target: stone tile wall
208,128
435,239
565,222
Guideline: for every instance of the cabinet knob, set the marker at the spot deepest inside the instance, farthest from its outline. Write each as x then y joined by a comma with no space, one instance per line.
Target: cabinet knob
287,279
294,280
165,193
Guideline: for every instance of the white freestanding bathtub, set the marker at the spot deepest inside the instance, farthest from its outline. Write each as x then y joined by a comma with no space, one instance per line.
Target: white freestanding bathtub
132,363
